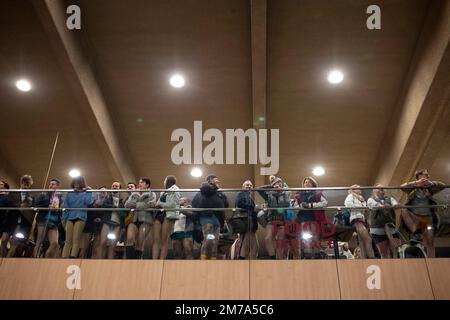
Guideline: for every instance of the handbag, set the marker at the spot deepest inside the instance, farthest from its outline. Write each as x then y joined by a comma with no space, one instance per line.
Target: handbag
239,223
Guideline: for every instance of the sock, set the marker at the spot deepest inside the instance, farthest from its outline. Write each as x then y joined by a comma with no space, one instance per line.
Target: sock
129,252
273,257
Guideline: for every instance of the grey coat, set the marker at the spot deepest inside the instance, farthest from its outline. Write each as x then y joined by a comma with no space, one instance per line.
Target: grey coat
142,201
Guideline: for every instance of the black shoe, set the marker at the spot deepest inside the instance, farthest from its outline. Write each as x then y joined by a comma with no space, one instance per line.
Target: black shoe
138,254
129,252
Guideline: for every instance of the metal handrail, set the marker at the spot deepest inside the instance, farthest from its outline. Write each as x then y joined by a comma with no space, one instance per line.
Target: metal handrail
444,206
223,190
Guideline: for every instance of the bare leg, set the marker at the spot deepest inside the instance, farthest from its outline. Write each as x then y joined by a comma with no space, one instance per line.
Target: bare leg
409,219
428,241
4,247
365,241
12,248
156,239
269,240
100,253
77,235
95,245
165,237
69,239
54,246
394,243
85,240
253,245
187,248
215,244
177,248
209,246
244,252
112,243
207,243
132,230
39,240
280,237
144,231
383,247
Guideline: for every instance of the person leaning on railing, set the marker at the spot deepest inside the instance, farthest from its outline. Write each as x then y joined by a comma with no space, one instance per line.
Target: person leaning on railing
110,220
6,201
358,220
130,215
382,222
420,220
312,219
164,221
139,229
244,201
48,221
24,218
210,220
275,199
75,220
90,238
182,236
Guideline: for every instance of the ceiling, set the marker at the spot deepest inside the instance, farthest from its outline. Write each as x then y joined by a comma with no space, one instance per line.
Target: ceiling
360,131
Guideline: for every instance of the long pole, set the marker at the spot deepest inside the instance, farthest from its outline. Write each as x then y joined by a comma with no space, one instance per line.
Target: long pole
51,161
30,237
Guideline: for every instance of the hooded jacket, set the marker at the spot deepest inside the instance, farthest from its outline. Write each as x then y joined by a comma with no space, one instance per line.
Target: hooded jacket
210,197
275,199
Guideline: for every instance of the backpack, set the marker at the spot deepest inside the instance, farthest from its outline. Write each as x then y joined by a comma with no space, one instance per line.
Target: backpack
239,223
412,250
342,218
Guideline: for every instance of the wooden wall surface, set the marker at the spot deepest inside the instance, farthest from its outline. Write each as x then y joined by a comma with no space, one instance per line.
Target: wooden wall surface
224,280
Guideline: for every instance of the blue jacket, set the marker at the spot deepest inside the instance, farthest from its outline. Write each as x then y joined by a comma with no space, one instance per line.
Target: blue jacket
77,200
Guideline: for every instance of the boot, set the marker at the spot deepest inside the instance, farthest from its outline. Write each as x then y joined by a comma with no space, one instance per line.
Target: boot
138,254
130,252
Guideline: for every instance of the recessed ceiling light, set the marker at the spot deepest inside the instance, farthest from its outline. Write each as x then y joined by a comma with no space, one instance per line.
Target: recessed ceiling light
139,120
196,173
23,85
318,171
177,81
335,76
261,118
74,173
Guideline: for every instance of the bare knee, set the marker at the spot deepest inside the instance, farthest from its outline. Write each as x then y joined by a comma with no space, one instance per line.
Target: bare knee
54,245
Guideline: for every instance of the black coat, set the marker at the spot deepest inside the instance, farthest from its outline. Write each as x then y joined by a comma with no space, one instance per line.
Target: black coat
5,202
210,197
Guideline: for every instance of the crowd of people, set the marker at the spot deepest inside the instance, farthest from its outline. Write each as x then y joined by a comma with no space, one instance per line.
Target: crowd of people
91,224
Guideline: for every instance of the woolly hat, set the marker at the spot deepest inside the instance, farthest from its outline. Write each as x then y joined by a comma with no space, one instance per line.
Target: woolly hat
274,180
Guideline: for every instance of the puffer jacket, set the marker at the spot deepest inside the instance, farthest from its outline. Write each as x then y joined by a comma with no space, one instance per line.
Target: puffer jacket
142,201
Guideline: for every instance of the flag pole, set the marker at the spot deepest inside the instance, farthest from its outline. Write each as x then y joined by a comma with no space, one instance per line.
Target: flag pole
30,238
